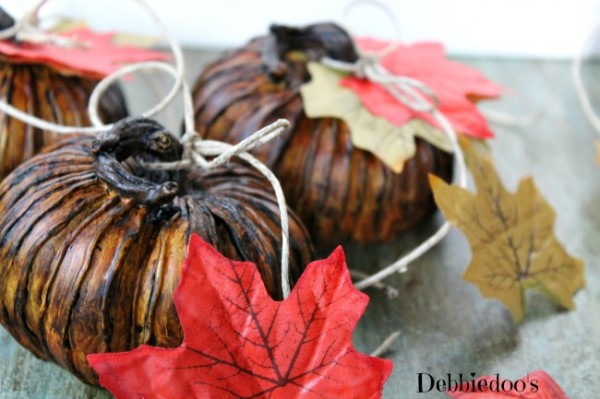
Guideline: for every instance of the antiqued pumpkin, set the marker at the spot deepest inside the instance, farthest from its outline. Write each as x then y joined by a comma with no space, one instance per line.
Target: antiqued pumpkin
52,95
92,244
49,93
341,192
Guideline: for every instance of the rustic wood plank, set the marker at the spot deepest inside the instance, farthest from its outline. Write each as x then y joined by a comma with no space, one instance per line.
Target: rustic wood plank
447,327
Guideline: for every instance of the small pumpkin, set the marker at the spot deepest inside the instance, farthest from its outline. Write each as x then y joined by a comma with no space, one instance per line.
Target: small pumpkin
341,192
55,95
92,244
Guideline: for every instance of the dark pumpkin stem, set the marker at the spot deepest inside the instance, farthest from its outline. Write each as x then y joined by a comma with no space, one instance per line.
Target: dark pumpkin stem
143,140
272,57
316,41
6,21
137,136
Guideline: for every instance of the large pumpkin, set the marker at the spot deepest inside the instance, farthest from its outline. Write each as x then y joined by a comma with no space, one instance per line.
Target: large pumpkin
49,94
339,191
92,244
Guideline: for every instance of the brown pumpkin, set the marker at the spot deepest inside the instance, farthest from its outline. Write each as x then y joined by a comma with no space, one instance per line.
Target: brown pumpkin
51,95
92,244
339,191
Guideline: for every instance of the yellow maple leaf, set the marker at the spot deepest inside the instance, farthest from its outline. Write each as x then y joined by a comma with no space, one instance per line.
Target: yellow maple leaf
511,237
323,96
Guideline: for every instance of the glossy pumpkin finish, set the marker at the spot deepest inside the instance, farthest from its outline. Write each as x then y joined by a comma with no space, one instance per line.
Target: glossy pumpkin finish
339,191
50,95
92,245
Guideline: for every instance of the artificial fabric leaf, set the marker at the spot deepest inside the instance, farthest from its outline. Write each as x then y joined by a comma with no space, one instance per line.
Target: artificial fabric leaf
239,343
511,237
457,86
97,56
323,96
537,385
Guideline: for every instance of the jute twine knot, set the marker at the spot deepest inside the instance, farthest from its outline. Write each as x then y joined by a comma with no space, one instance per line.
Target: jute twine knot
413,93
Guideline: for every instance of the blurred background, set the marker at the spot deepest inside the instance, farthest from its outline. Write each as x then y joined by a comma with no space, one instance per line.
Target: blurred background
505,28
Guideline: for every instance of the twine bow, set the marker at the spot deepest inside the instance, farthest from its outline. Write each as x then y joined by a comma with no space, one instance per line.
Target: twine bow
196,151
413,93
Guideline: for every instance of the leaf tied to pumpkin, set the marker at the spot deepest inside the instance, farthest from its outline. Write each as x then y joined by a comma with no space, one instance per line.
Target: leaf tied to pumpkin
98,56
324,96
511,237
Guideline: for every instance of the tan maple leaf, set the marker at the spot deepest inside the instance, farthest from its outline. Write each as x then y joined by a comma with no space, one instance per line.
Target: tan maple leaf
511,237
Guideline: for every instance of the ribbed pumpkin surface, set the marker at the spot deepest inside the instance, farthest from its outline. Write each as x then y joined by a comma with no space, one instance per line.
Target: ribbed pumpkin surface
339,191
84,269
50,95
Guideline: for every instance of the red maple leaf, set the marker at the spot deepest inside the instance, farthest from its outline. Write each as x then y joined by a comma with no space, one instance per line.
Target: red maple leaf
456,86
99,56
537,385
239,343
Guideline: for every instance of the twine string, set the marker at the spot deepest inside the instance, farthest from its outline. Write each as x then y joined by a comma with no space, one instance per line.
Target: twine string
196,150
178,75
386,344
387,11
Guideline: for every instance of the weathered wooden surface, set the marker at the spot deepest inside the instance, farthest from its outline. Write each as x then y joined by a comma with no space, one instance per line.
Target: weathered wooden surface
447,327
